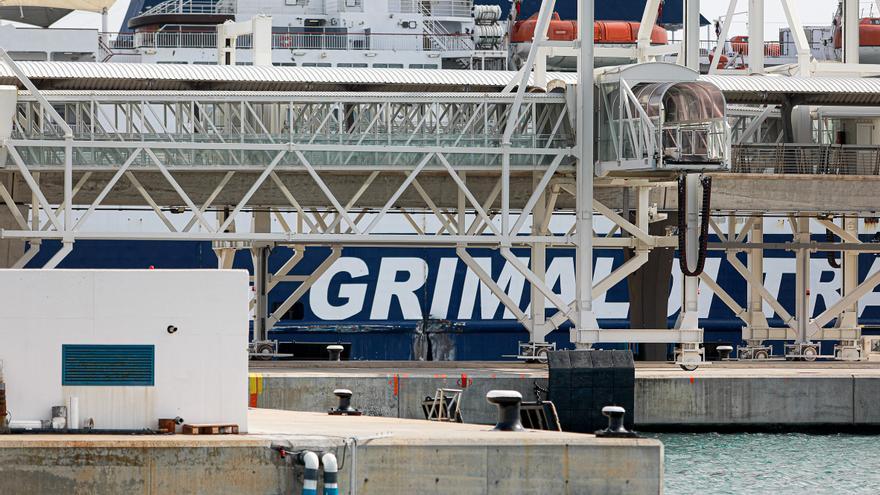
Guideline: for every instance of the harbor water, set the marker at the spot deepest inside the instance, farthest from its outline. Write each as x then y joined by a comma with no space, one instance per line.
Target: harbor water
766,463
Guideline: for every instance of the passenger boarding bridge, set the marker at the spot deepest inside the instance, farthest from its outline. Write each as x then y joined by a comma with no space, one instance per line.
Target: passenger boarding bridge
491,156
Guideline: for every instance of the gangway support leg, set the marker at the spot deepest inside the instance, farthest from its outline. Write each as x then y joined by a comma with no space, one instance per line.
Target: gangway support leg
539,266
585,317
538,326
690,353
802,348
758,328
260,255
847,324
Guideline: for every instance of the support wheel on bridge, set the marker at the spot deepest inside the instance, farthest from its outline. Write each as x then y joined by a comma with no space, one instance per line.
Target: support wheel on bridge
265,351
810,353
760,354
689,367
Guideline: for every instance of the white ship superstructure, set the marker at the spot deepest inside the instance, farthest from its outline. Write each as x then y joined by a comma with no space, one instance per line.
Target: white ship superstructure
411,34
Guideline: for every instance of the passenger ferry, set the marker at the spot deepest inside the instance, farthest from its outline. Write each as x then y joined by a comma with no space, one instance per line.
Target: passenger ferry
450,307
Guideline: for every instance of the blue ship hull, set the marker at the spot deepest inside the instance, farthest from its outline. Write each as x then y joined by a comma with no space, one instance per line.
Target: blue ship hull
359,304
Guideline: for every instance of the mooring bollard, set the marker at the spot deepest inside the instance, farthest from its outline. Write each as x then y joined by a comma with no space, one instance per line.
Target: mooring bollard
615,428
724,351
335,352
344,407
508,402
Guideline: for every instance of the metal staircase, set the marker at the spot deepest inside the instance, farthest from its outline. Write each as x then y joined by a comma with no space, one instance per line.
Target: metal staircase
437,37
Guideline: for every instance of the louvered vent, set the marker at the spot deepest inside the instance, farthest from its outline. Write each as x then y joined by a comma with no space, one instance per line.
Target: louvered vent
108,365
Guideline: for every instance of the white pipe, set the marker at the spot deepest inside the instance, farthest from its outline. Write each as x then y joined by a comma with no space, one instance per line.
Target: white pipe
310,479
73,413
331,486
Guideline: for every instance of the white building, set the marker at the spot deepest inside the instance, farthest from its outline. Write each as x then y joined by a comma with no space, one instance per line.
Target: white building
133,346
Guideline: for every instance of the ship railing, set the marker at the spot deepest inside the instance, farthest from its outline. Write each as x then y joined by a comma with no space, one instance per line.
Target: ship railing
300,41
823,50
366,150
120,41
806,159
432,8
192,7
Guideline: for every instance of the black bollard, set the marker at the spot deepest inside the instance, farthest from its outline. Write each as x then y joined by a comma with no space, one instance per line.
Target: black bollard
724,352
508,402
335,352
615,428
344,407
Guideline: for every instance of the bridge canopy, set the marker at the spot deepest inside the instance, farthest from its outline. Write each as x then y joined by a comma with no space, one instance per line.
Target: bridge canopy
681,102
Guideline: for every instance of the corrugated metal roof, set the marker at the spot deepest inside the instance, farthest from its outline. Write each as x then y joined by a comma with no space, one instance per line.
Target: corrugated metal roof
145,77
122,95
112,76
812,90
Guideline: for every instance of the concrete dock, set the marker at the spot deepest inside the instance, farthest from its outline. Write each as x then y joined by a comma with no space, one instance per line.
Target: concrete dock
729,395
376,456
787,396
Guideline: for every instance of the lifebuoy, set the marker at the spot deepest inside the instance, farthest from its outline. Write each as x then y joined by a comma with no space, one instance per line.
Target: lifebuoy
285,41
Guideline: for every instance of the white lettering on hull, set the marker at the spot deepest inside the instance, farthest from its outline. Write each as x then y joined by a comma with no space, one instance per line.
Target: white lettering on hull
391,293
389,288
354,294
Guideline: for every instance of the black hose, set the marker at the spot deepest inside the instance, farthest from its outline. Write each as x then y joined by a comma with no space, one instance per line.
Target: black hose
706,182
832,256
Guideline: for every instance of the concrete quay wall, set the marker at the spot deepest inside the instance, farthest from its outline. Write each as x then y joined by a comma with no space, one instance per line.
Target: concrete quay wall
425,469
376,456
389,395
744,402
665,398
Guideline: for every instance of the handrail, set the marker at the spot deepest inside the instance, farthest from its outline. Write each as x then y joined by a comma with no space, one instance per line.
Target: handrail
806,159
191,7
424,42
432,8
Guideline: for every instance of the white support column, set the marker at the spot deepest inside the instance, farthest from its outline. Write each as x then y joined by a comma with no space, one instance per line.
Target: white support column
848,318
646,27
802,45
225,44
691,40
538,265
105,40
722,38
850,23
756,36
260,255
262,39
586,318
755,261
802,280
259,27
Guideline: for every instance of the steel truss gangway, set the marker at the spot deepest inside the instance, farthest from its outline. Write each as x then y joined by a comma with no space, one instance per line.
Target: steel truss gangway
491,168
